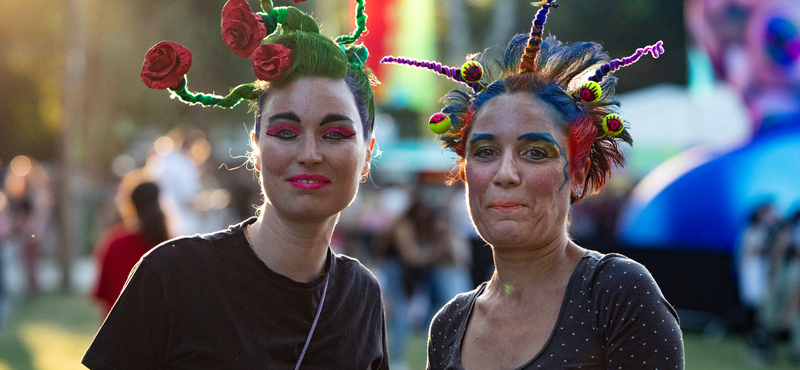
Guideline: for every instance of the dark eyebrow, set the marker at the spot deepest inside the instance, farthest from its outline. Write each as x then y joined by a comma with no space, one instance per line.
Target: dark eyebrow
290,116
536,136
335,117
476,137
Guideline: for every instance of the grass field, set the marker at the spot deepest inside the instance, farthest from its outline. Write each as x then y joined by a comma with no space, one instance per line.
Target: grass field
51,332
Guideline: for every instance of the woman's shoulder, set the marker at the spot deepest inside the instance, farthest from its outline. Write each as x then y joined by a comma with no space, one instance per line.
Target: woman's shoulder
194,249
449,324
458,308
352,269
615,280
613,268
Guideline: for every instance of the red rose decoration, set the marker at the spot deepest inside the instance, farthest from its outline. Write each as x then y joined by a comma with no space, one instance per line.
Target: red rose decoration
271,60
242,30
298,1
165,64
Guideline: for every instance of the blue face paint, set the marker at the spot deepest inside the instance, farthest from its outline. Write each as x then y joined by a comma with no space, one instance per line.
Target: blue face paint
543,136
539,136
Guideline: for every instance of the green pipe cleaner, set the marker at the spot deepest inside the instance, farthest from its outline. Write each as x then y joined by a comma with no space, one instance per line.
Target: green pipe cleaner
361,26
239,93
270,21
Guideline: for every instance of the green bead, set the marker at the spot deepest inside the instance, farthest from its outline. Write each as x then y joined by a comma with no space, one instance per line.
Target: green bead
613,124
440,123
589,91
471,72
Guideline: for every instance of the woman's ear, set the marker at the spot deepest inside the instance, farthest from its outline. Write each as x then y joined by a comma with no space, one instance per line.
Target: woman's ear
256,153
578,180
368,159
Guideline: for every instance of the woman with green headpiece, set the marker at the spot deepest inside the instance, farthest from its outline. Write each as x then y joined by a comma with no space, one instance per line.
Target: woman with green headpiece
268,292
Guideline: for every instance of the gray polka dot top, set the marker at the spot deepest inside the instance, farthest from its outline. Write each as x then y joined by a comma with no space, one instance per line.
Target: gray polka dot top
613,316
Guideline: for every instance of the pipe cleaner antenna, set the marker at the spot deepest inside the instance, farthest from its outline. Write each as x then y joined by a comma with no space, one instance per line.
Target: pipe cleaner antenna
470,73
656,50
361,25
528,62
239,93
590,90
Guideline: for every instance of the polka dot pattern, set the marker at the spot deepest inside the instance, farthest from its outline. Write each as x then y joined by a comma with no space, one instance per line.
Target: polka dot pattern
613,316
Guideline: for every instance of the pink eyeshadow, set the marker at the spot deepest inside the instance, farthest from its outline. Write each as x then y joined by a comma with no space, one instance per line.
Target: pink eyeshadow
283,126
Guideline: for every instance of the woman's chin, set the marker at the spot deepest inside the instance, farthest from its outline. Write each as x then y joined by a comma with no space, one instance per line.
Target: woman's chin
501,235
308,210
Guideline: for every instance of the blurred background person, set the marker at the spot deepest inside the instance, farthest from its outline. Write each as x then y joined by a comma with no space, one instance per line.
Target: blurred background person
792,234
123,245
451,274
754,271
478,258
5,230
30,202
178,175
779,311
407,252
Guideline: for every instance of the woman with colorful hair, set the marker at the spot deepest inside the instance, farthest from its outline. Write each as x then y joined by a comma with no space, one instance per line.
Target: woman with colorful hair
268,292
536,132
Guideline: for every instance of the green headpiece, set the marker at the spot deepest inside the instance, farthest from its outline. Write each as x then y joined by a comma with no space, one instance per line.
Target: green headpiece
283,43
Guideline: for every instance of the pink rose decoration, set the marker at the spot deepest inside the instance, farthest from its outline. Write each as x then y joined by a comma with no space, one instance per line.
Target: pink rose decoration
271,60
165,64
242,30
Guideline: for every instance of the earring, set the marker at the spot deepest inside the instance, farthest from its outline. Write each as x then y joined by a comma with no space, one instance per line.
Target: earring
577,193
363,179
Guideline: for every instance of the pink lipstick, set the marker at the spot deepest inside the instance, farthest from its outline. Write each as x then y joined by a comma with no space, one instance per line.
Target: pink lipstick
309,182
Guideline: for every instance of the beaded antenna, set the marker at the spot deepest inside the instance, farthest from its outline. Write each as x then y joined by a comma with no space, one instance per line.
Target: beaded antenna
272,40
470,73
528,63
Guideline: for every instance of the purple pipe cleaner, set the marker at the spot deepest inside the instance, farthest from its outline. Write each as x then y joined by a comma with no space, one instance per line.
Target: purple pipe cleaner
656,50
450,72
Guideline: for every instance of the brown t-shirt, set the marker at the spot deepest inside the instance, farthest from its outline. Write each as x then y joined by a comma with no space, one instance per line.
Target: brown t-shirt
613,316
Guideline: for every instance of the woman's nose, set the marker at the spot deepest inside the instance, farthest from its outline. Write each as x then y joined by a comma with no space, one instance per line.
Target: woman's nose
507,174
308,150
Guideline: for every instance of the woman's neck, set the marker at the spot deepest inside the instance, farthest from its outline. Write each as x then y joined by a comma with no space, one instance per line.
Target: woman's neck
519,271
297,250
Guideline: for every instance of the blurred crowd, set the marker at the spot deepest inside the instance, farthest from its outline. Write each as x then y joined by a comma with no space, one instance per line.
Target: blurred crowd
173,190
